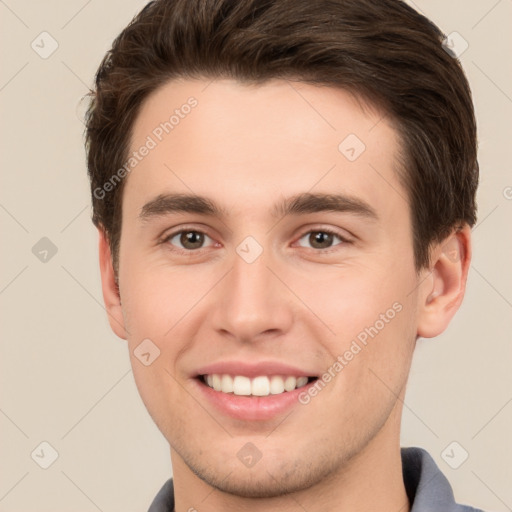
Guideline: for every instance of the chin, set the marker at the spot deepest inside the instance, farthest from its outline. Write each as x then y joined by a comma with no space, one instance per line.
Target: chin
270,477
264,484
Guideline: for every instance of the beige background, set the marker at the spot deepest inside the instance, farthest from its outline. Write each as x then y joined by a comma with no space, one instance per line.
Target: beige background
65,377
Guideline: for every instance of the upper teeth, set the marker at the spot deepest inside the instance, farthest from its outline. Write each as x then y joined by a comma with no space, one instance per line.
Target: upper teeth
259,386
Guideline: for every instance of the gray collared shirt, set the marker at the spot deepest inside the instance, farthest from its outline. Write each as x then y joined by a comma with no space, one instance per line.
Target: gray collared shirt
427,488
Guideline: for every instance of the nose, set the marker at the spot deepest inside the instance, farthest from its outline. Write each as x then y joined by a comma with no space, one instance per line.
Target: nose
252,303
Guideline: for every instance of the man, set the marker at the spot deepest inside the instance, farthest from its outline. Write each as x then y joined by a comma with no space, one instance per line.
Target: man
284,192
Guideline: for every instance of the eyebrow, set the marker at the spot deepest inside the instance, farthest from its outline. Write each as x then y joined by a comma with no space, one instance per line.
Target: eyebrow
299,204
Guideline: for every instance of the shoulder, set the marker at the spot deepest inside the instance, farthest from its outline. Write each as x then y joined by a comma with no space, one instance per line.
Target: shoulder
164,500
427,487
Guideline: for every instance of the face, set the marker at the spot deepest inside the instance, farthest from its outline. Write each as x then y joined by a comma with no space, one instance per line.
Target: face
292,265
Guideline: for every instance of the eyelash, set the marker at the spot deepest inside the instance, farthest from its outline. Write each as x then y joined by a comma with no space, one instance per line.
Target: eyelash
343,240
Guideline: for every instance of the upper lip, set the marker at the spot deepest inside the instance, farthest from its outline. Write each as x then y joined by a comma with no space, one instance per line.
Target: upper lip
253,369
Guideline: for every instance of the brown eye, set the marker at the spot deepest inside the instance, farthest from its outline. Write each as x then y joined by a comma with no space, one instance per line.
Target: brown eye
188,239
319,239
191,239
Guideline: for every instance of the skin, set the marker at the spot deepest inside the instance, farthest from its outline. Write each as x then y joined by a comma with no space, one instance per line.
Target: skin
246,148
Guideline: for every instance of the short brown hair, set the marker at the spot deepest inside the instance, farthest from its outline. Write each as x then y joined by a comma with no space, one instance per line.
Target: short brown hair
382,51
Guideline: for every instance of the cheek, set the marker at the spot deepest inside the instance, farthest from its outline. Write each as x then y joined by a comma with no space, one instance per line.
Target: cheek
351,299
150,312
384,341
155,300
158,308
371,319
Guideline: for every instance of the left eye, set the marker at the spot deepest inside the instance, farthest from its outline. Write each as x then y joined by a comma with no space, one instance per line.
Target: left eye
320,239
189,240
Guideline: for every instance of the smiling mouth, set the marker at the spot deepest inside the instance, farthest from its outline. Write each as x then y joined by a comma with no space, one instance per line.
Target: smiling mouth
262,385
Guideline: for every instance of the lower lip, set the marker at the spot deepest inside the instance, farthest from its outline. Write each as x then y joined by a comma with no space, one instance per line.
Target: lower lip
252,408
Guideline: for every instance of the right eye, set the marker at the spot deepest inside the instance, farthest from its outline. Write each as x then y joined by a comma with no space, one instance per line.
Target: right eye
189,239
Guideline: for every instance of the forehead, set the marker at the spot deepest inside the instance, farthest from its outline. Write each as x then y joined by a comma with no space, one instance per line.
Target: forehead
247,143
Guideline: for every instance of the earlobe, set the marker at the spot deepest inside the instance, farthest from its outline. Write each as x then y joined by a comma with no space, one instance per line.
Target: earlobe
109,287
441,293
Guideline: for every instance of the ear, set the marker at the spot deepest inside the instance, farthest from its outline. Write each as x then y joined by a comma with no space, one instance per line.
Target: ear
442,291
109,287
